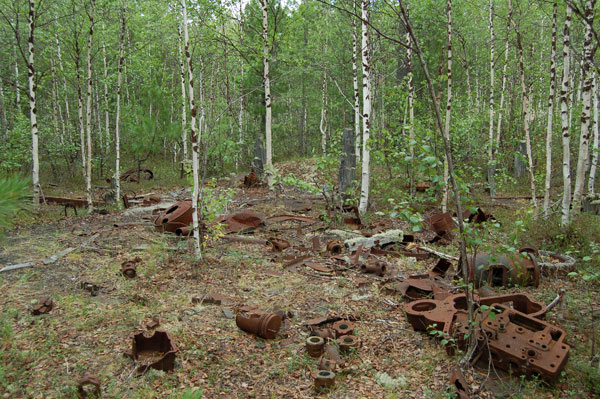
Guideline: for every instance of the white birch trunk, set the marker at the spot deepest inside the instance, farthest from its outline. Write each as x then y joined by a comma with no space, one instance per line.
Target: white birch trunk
594,161
3,112
16,82
491,121
183,99
118,115
550,116
67,113
106,116
448,103
365,176
194,137
501,107
586,111
323,122
564,116
88,112
357,130
411,108
267,81
35,170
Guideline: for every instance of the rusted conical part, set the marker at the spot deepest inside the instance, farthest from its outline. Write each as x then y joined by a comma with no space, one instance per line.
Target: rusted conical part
324,379
347,342
262,324
314,346
343,327
375,267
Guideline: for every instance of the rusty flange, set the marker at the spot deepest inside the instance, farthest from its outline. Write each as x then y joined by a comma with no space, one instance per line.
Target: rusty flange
263,324
343,327
92,381
157,352
44,306
315,346
324,379
335,247
347,342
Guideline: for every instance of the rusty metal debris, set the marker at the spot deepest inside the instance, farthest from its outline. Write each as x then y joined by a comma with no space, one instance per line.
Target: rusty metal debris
212,299
69,202
244,220
347,342
325,333
327,364
44,306
324,379
478,217
131,175
442,225
351,216
331,352
157,352
375,267
458,381
129,268
285,218
279,244
343,327
176,218
417,288
315,346
335,247
251,179
503,270
423,186
320,268
91,287
91,381
555,264
263,324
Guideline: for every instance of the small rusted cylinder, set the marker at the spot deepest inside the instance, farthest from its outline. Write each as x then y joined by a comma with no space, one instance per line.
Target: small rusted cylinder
327,364
315,346
264,325
343,327
375,267
335,247
128,269
324,379
347,342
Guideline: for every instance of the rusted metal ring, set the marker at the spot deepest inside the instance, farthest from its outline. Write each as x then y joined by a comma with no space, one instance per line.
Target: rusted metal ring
315,346
347,342
343,327
324,379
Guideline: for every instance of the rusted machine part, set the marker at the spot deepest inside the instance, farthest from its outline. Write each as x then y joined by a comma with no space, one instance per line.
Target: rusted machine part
279,244
564,263
241,221
316,244
91,381
327,364
324,379
129,268
417,288
315,346
376,267
502,270
72,202
263,324
325,333
44,306
335,247
422,186
251,180
440,268
347,342
351,221
343,327
443,225
331,352
458,381
131,174
157,352
178,216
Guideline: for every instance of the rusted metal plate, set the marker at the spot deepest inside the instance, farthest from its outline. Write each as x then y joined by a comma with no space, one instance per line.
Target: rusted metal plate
443,225
320,268
241,221
459,382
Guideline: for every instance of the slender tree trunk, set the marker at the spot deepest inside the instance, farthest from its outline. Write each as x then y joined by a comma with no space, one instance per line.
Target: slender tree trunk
194,137
564,116
411,107
54,102
66,93
35,170
594,161
118,116
183,102
80,106
586,112
88,111
448,103
267,80
366,67
501,107
526,111
3,112
550,115
357,131
323,122
105,70
490,169
16,82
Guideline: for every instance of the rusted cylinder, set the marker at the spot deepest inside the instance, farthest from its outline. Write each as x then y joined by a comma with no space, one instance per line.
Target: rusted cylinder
347,342
315,346
375,268
324,379
262,324
343,327
128,268
335,247
327,364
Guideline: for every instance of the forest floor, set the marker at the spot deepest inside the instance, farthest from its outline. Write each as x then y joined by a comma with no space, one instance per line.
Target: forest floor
44,356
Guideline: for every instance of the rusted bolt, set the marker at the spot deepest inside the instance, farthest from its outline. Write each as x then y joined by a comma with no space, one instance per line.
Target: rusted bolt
314,346
335,247
128,268
343,327
374,267
44,306
324,379
347,342
254,321
327,364
91,381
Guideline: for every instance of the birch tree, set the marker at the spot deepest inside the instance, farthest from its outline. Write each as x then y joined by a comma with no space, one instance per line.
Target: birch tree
183,101
586,112
448,102
564,116
550,115
411,107
490,169
595,149
193,136
35,160
88,111
503,90
267,83
118,115
105,84
357,130
366,83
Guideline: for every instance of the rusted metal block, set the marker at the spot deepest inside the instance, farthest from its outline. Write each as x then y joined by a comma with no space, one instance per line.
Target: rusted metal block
375,267
503,270
315,346
44,306
262,324
324,379
157,352
347,342
89,387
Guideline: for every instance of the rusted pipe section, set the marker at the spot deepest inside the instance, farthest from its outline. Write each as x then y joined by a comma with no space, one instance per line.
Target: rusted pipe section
91,381
324,379
343,327
315,346
129,268
376,267
262,324
335,247
347,342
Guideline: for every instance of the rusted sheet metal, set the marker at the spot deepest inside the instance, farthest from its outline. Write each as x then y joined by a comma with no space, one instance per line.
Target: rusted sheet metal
279,244
251,179
375,267
285,218
73,202
157,352
442,225
131,175
241,221
347,342
502,270
320,268
44,306
440,268
91,381
315,346
459,382
175,218
296,261
263,324
414,288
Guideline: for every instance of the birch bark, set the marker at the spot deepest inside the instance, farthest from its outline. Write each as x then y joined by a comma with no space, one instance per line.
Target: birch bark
267,82
357,131
490,170
365,175
594,161
88,112
550,116
35,169
448,102
564,116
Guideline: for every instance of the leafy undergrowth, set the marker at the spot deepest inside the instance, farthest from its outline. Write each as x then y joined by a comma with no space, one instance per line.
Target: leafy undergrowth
44,356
